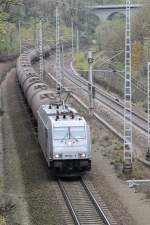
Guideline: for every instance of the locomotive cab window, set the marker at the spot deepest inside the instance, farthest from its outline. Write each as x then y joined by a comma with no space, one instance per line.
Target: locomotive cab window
77,132
63,133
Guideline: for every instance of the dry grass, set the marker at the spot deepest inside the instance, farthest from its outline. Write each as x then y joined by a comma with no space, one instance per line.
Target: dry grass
6,204
1,184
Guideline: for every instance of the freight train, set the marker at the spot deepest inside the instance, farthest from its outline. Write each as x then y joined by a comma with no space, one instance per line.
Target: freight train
63,134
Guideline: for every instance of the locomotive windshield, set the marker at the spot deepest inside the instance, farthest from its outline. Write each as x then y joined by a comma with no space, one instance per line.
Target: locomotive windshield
77,132
63,133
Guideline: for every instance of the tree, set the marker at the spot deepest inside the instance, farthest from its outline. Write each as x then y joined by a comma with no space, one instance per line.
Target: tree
110,37
5,5
138,57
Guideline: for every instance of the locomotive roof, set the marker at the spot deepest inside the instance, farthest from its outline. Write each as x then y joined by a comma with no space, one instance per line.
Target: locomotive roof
61,116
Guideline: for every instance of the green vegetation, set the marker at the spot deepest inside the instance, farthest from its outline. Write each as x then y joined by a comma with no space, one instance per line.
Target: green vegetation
109,35
117,155
80,63
8,38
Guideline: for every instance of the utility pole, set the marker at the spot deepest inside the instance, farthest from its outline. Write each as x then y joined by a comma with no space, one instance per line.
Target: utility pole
72,25
88,22
20,41
77,40
147,156
58,53
90,84
128,148
41,51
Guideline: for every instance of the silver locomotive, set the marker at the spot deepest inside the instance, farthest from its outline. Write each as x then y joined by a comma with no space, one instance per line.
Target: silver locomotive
64,137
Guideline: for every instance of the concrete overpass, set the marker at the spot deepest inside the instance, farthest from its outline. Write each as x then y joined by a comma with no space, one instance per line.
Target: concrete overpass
105,12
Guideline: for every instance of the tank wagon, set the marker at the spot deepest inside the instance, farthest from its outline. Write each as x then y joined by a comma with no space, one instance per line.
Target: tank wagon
64,136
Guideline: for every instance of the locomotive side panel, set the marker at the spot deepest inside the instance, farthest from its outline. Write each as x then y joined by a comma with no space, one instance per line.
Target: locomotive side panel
45,136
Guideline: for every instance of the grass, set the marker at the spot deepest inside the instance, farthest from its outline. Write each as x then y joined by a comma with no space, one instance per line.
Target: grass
1,112
2,220
142,105
1,184
81,63
117,157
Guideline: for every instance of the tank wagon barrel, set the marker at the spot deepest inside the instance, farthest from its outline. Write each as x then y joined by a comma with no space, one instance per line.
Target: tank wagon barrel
63,134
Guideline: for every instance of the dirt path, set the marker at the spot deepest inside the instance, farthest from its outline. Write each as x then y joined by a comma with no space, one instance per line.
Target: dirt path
28,184
4,68
14,191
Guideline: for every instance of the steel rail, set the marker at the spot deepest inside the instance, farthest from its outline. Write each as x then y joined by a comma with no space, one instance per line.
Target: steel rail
85,83
106,104
97,205
103,93
69,204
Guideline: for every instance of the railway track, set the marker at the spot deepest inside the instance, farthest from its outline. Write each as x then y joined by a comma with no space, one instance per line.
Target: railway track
84,204
107,100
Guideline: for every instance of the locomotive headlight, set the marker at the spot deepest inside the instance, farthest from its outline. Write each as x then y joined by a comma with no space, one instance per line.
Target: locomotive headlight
58,156
82,155
70,143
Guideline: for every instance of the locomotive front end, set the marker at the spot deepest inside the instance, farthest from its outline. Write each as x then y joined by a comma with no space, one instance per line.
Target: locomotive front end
71,145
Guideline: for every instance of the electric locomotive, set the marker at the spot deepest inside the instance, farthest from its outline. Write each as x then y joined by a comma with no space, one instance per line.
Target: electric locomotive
64,137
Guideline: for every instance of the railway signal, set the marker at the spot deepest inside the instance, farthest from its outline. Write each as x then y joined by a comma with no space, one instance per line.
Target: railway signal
90,79
128,148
